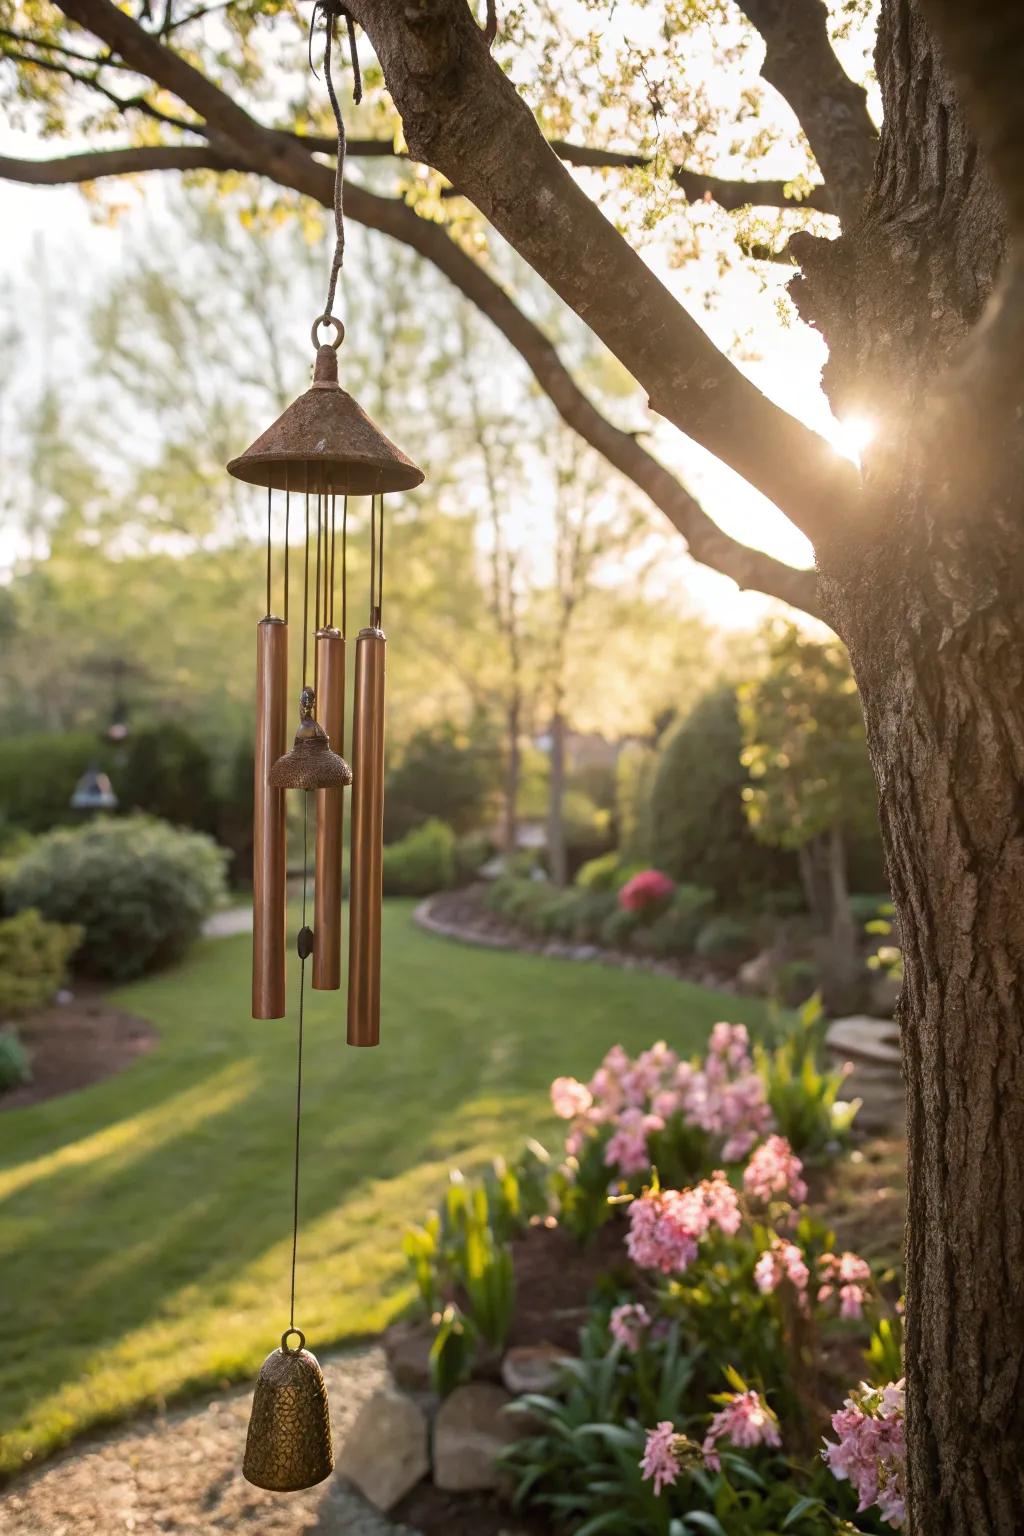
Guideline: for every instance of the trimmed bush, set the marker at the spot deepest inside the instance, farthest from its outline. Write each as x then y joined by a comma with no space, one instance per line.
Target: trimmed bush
729,939
607,873
698,828
672,936
139,888
422,862
618,928
34,956
168,773
471,854
38,774
14,1067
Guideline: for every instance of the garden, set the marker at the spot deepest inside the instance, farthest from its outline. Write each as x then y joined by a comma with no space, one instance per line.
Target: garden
516,873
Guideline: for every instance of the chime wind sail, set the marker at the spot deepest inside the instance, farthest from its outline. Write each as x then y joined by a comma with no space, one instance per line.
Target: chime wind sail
323,448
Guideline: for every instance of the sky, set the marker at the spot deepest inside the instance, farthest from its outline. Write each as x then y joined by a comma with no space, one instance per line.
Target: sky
53,243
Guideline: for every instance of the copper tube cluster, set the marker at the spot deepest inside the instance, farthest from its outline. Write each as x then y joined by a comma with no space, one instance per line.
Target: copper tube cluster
330,811
367,852
269,852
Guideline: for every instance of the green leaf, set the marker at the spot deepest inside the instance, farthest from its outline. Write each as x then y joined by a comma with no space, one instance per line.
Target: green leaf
700,1520
800,1508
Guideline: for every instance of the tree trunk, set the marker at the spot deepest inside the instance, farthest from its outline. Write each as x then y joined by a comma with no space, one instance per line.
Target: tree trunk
928,592
558,868
512,769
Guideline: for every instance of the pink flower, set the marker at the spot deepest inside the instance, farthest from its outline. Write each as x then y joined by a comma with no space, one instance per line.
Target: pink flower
648,889
847,1276
782,1261
666,1226
627,1149
774,1172
570,1098
659,1458
870,1451
628,1324
746,1420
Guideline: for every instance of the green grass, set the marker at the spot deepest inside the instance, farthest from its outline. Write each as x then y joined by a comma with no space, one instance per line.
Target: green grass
145,1222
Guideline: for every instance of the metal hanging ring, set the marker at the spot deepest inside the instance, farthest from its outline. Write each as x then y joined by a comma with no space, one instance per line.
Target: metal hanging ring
287,1335
339,330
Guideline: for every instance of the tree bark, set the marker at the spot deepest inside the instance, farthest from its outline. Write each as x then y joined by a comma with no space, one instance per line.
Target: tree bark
512,772
558,868
928,592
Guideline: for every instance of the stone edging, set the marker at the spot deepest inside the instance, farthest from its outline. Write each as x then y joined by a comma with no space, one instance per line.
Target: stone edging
588,954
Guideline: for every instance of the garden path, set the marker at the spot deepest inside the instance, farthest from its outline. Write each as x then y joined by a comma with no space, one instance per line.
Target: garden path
180,1473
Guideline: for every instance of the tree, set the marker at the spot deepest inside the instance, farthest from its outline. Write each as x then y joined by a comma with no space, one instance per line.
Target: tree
919,552
804,748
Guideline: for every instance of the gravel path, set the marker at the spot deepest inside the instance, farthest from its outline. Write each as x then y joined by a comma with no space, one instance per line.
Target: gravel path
180,1473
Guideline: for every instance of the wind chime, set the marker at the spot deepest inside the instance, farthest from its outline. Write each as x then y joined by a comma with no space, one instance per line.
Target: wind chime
324,447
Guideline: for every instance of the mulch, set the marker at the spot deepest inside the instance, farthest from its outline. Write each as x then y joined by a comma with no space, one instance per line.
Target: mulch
72,1045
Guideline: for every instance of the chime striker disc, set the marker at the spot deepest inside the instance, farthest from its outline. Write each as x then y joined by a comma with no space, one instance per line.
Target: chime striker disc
325,441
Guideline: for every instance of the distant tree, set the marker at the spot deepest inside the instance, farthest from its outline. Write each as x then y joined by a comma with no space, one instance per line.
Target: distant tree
445,774
810,786
697,829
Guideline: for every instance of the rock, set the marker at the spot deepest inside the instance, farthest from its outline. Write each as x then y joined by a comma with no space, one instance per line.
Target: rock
385,1452
532,1368
407,1347
757,976
352,1513
471,1428
883,994
872,1048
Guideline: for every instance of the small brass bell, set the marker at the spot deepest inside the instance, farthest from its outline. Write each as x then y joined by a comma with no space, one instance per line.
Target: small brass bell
310,764
288,1446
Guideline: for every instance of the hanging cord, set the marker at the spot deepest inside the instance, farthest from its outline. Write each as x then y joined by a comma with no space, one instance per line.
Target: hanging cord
376,560
317,602
298,1069
380,561
331,10
373,559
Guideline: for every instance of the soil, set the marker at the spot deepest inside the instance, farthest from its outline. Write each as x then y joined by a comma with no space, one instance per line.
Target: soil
432,1512
555,1278
74,1044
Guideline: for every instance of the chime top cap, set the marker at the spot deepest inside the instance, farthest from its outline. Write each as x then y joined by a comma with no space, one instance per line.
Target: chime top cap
325,441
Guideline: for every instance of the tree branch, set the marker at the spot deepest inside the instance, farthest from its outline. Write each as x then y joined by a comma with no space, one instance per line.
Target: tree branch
728,194
801,64
749,568
462,115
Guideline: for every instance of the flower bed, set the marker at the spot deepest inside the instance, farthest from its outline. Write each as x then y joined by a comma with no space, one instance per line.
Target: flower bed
724,1327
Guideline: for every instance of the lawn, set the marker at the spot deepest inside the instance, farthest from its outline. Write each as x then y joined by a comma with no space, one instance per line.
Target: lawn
145,1222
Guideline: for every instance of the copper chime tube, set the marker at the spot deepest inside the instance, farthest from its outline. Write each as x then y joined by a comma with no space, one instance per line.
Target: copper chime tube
367,840
330,811
269,853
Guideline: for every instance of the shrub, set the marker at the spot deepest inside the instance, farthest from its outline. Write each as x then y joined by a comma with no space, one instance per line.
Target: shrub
422,862
698,829
729,939
618,928
168,773
446,775
647,894
472,852
807,1102
14,1067
140,890
34,955
38,774
603,873
673,935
